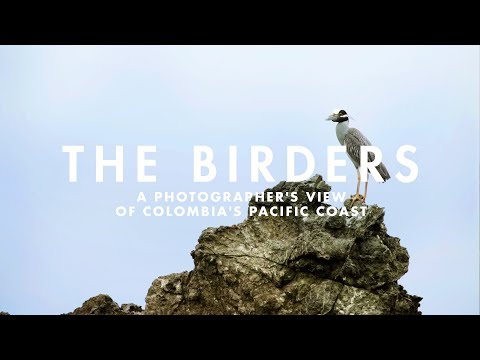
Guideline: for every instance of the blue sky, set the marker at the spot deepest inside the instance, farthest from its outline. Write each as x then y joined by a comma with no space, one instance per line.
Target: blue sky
60,243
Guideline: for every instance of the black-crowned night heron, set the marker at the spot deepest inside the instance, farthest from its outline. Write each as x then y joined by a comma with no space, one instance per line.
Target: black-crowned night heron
353,139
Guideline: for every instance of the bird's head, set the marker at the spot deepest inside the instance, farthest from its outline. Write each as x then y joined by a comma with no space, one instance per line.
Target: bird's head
338,116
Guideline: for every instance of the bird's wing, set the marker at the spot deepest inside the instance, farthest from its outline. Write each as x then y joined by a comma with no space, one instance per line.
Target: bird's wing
353,140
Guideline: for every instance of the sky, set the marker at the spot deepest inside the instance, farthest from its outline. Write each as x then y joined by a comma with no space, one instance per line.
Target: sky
61,242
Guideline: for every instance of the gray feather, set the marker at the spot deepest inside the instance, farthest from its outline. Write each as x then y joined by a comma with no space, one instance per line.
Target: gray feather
354,139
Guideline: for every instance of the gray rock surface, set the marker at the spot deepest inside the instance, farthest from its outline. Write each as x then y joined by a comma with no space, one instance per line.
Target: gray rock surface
291,265
131,309
104,305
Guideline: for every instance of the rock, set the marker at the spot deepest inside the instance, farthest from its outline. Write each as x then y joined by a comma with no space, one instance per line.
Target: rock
104,305
4,313
131,309
168,292
285,265
98,305
291,265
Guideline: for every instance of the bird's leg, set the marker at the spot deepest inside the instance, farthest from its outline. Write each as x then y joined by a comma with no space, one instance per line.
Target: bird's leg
366,185
357,196
358,182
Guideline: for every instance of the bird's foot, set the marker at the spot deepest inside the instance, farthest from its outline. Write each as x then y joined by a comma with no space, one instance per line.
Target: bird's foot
357,197
354,200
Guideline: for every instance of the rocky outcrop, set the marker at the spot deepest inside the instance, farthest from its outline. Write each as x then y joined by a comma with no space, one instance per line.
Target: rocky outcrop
104,305
327,265
291,265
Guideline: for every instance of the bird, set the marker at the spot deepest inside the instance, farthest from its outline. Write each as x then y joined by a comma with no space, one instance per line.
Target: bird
353,140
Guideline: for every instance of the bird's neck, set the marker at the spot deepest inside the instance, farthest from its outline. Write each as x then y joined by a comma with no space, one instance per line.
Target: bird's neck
342,128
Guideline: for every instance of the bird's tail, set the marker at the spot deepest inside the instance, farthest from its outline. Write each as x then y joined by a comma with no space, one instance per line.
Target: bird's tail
382,170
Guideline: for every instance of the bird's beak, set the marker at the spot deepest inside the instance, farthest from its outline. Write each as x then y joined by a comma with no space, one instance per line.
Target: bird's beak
332,117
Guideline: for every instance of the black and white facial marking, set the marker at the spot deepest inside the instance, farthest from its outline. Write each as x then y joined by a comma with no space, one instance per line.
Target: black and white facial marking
338,116
342,116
